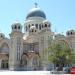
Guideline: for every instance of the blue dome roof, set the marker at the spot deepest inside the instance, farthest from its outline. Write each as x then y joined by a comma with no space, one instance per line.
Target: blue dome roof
36,12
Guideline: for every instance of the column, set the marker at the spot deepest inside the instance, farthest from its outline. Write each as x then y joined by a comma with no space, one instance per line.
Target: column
0,63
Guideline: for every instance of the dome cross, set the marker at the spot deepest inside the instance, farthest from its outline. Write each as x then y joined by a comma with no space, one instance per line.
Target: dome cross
36,5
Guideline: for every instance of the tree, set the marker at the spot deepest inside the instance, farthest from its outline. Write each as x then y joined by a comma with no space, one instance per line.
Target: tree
60,54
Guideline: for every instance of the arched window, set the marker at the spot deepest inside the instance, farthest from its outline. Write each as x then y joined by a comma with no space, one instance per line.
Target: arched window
32,24
15,27
1,36
39,26
45,25
26,28
35,30
71,33
42,26
29,25
18,27
36,26
32,30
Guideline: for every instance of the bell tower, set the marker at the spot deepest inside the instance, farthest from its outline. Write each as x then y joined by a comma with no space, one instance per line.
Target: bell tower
16,50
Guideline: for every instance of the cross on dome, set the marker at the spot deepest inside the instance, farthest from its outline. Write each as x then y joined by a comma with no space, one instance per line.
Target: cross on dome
36,5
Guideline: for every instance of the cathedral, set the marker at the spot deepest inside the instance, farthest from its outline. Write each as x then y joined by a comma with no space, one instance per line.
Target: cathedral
23,51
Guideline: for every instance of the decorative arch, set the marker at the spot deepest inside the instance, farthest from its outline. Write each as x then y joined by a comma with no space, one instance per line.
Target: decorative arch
24,60
4,48
36,62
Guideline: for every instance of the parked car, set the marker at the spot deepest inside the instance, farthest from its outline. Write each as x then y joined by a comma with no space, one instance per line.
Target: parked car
69,70
66,70
72,70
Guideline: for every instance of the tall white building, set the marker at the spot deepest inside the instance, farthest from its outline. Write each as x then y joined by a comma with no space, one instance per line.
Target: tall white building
25,50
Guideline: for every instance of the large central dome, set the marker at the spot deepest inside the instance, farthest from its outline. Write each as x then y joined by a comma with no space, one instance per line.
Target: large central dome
36,12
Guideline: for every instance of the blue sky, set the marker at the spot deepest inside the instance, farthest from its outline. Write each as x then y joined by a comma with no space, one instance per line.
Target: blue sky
61,13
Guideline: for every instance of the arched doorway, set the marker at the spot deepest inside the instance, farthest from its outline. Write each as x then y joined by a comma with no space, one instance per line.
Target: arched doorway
24,62
4,56
35,62
4,64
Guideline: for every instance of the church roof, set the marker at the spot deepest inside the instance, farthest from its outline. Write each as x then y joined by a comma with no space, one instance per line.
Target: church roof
36,12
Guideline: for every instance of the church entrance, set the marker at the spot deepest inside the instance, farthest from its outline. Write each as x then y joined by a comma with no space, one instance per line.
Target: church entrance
4,64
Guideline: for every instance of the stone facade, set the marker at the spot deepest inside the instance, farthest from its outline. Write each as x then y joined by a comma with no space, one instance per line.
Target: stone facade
23,51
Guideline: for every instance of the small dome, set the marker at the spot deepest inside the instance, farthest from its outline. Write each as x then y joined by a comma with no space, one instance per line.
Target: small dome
36,12
16,26
16,23
70,32
59,36
46,23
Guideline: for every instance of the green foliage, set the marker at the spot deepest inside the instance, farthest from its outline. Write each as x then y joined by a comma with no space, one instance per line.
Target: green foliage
60,53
